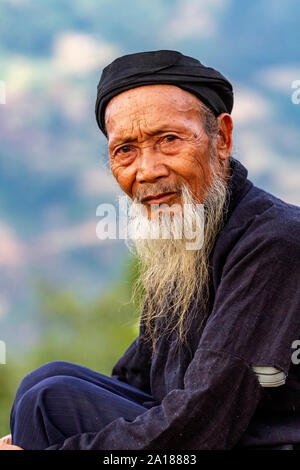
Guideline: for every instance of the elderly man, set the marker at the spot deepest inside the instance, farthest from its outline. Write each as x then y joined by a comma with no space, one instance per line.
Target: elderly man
212,366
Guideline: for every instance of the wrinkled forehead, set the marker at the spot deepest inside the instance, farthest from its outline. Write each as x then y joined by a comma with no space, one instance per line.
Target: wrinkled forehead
150,104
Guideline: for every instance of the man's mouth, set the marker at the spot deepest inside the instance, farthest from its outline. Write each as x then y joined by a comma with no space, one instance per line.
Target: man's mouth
158,198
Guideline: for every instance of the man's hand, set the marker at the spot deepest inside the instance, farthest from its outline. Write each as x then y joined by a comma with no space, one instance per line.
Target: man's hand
6,439
5,444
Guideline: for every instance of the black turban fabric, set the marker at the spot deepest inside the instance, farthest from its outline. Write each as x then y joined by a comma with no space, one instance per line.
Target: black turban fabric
166,68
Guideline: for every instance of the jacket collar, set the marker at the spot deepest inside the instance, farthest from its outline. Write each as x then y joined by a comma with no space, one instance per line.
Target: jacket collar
237,186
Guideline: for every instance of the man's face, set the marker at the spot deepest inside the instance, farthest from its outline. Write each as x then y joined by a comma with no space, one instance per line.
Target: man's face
157,142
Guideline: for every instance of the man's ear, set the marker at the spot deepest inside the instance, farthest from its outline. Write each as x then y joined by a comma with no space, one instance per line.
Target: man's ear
224,142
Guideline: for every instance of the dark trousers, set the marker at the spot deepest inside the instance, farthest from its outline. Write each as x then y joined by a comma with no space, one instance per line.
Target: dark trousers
60,399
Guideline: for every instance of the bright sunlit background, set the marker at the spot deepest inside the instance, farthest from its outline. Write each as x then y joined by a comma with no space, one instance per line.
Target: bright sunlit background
64,293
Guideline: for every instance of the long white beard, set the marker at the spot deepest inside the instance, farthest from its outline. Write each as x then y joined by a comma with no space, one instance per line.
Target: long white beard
167,269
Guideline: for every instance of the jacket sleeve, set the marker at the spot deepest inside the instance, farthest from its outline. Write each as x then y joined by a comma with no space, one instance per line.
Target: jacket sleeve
134,366
255,318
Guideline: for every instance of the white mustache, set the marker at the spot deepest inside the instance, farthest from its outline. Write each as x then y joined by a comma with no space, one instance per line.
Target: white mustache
147,191
173,222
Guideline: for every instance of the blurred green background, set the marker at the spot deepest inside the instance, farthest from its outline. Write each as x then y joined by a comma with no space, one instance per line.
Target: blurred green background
64,294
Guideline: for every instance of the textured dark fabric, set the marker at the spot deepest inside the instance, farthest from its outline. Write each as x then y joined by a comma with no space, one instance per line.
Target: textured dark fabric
60,399
207,396
163,67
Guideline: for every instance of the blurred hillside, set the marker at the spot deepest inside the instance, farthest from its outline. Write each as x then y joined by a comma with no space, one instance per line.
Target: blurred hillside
93,333
53,166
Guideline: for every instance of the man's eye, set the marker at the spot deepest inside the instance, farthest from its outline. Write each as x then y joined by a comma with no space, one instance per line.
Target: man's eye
124,149
170,138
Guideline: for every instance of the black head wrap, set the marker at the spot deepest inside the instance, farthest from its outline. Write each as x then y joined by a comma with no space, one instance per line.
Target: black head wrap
168,68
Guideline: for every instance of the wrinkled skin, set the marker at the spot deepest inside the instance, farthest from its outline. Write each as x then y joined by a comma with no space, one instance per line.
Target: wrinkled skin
157,139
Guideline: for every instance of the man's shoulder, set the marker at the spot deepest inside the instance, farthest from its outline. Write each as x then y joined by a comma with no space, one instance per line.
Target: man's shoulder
265,213
261,221
273,218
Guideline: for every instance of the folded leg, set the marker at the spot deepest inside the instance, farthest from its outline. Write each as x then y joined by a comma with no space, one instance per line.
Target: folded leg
59,400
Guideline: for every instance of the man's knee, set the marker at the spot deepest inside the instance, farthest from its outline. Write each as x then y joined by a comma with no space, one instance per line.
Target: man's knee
50,369
41,410
47,392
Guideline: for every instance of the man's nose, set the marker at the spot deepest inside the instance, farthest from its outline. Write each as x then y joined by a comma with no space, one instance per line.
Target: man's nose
150,167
